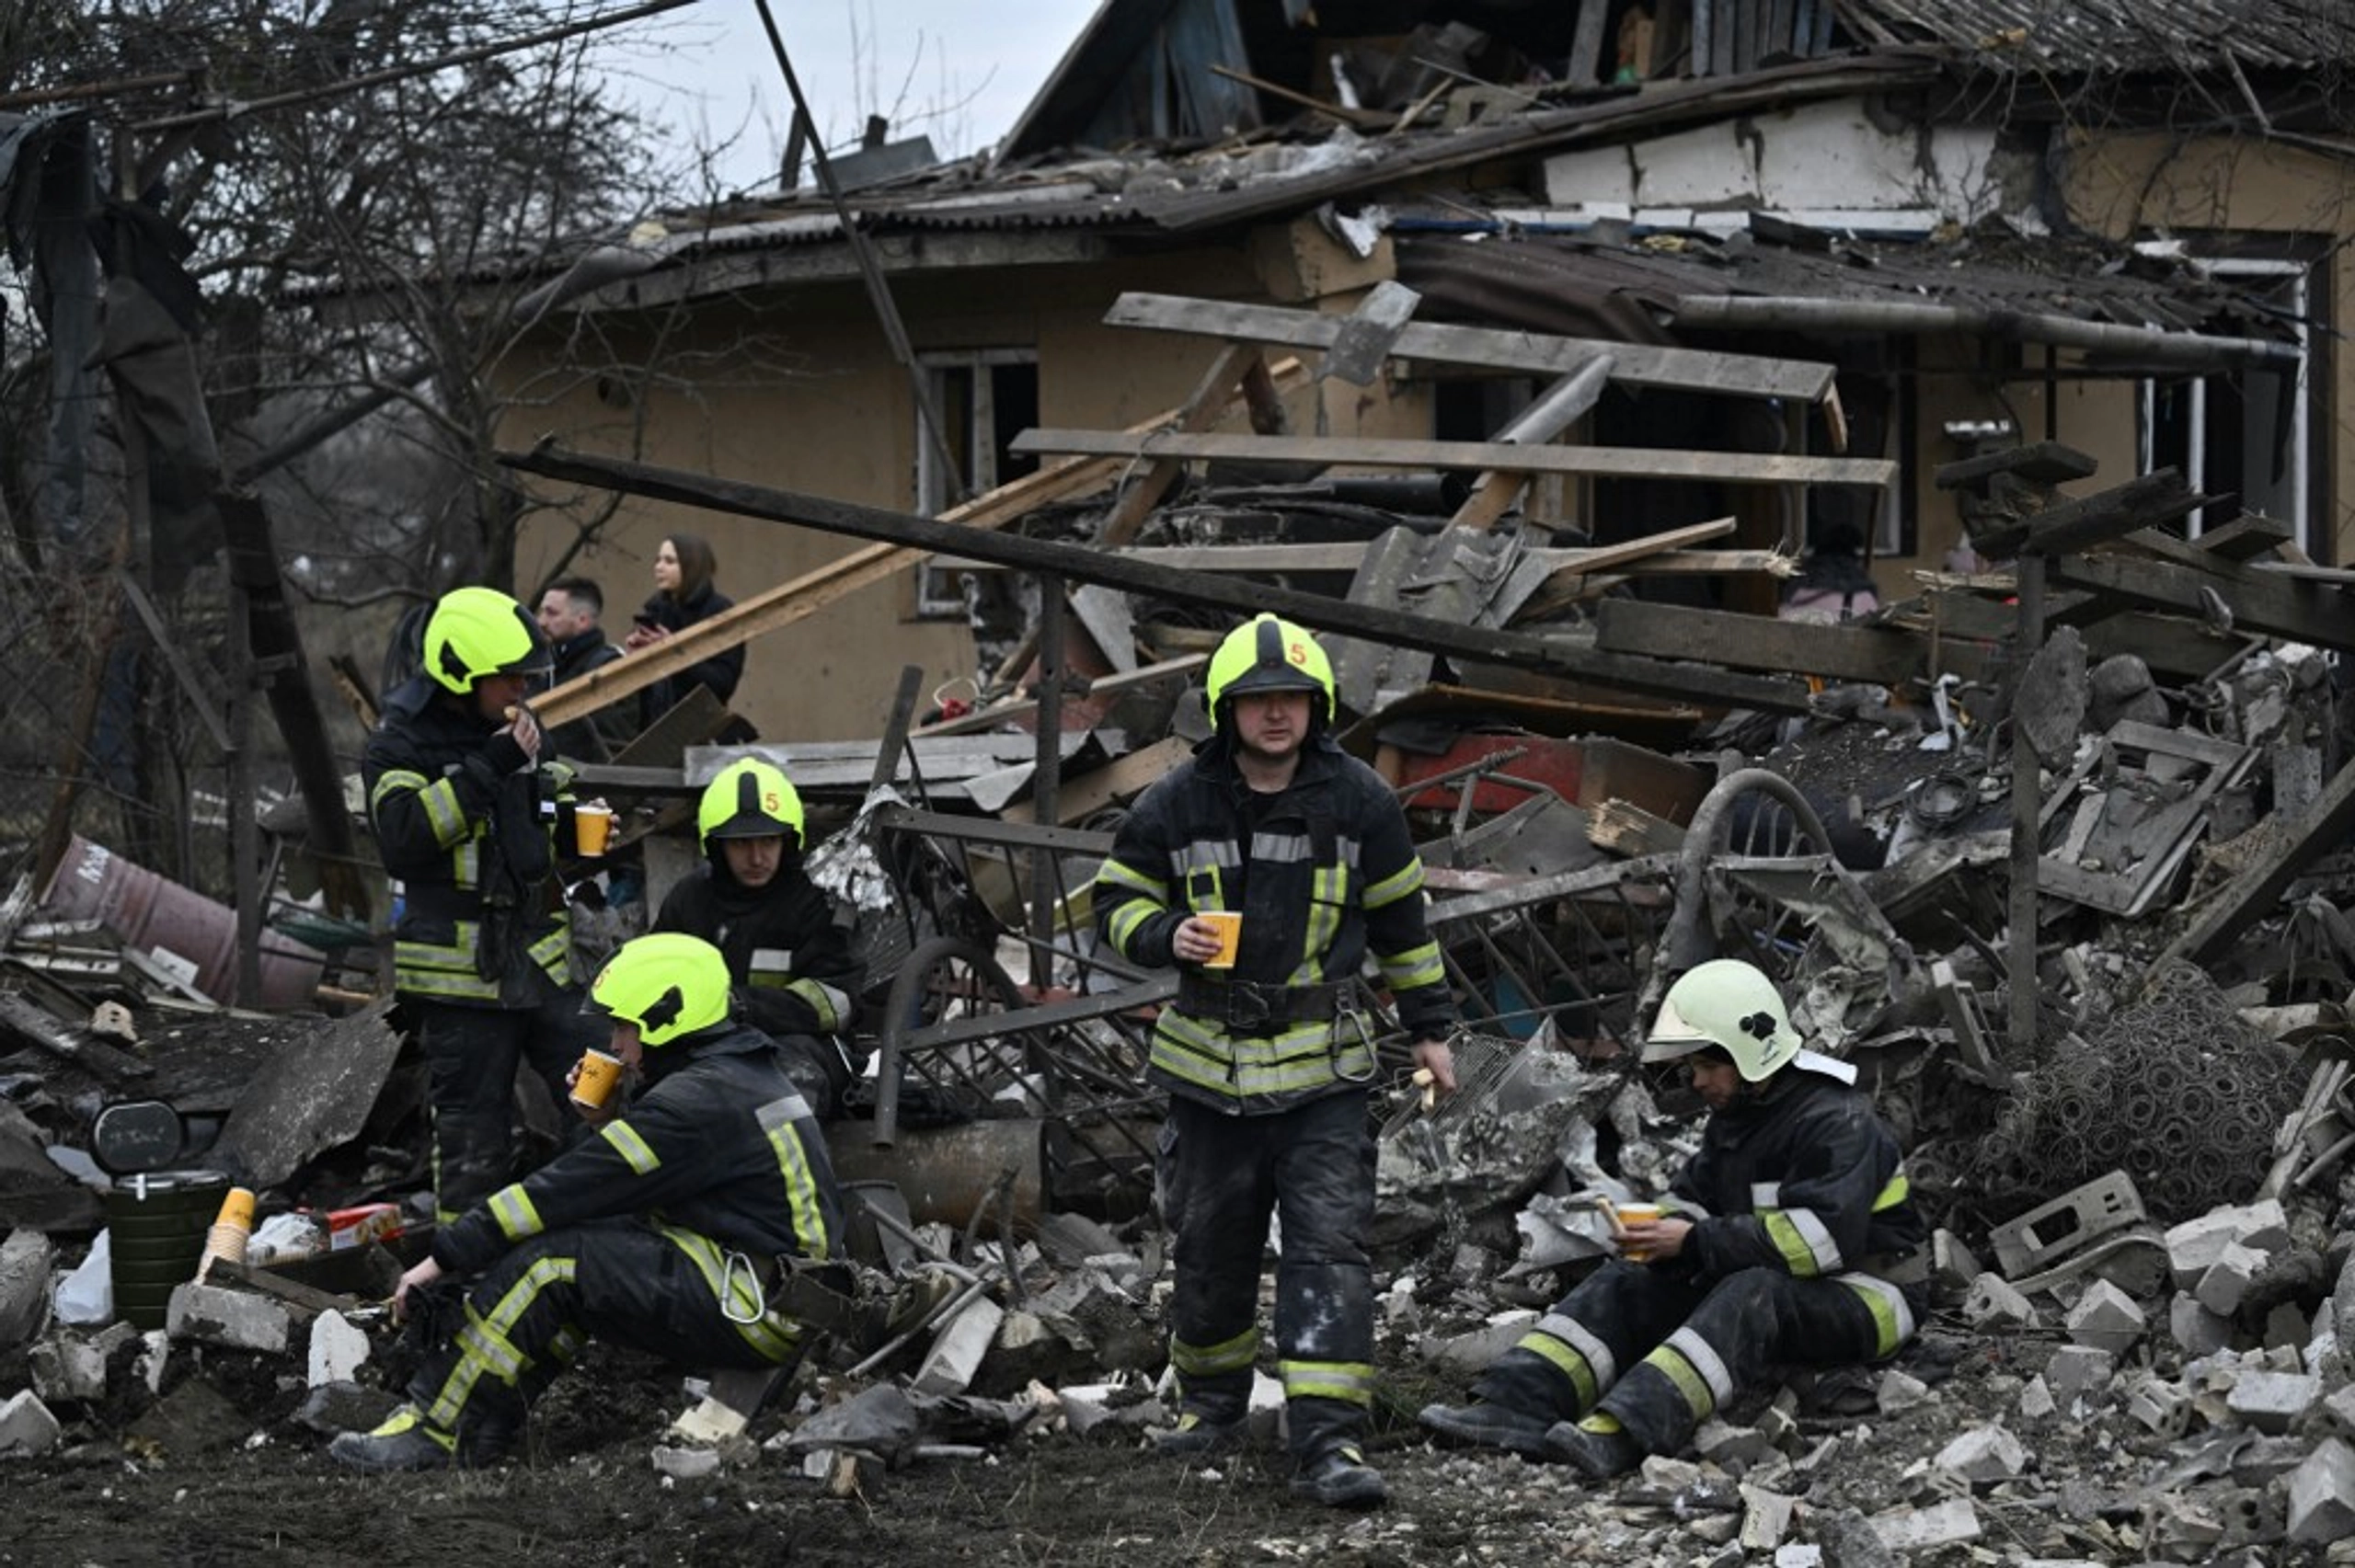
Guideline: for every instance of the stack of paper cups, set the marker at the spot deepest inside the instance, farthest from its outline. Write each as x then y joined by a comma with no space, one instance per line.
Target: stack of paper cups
230,1230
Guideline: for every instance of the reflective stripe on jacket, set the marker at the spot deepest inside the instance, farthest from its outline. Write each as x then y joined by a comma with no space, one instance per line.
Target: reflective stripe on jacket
1323,873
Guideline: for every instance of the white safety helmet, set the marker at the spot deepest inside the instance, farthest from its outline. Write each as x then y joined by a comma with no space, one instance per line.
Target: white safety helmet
1732,1005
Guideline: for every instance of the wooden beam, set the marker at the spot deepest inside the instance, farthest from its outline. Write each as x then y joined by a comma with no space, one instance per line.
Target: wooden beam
1634,364
2266,603
1631,463
2251,896
2074,526
1872,654
1691,683
813,591
998,713
1199,412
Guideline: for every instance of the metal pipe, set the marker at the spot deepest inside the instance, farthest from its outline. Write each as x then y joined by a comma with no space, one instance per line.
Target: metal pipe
947,1173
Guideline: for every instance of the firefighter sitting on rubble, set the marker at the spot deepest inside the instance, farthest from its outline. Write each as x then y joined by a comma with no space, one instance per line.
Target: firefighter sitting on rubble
1267,1061
677,1227
465,807
789,957
1789,1237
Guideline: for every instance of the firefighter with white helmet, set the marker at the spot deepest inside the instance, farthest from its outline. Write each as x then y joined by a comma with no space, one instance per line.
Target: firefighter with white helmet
1791,1237
786,943
672,1229
1266,1060
466,802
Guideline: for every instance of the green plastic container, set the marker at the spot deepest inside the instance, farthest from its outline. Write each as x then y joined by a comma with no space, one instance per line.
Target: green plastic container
156,1223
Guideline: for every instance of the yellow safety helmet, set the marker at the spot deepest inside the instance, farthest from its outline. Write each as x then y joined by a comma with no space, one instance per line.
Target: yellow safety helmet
1732,1005
751,799
1265,654
668,984
476,631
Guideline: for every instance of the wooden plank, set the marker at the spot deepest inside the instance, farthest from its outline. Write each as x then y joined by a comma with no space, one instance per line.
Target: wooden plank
2074,526
2247,537
1583,68
1116,780
2253,895
1633,463
1199,412
2262,602
1657,553
813,591
2044,463
1564,656
1636,364
1758,642
1001,713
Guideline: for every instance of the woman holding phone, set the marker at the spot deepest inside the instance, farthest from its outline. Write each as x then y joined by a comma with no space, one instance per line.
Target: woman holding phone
684,596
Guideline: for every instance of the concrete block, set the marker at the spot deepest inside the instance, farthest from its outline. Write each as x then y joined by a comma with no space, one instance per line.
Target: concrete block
1849,1539
2196,1329
2035,1400
2321,1495
1734,1450
1666,1475
25,1427
214,1316
1992,1304
1941,1524
26,1259
339,1349
1798,1554
2162,1407
1896,1391
1983,1456
2272,1401
686,1464
69,1370
2262,1460
1765,1518
2223,1285
2340,1408
2196,1244
1952,1267
2078,1372
1469,1355
2105,1318
958,1349
1085,1406
2052,1230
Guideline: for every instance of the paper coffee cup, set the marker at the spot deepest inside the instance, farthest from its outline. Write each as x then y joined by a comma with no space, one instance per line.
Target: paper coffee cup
592,828
1230,936
1636,1214
593,1084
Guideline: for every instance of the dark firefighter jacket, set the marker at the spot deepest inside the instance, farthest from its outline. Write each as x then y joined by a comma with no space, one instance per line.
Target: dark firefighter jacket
1804,1178
718,1151
1324,872
789,958
471,839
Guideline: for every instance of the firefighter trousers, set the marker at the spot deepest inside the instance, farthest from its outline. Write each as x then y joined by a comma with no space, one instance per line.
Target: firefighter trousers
471,1056
1221,1178
668,1292
1649,1345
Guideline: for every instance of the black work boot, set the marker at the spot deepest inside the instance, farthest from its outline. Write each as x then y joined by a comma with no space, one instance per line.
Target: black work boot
1597,1448
1489,1424
404,1441
1340,1478
1195,1435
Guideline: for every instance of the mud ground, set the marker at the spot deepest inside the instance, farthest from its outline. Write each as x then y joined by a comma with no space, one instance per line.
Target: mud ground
219,1470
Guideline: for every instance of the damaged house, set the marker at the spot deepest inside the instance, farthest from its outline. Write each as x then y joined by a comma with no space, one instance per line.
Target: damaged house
1526,353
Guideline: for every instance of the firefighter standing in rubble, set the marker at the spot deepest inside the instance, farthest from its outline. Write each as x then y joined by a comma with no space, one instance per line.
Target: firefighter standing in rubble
465,809
1267,1061
787,951
1789,1237
679,1228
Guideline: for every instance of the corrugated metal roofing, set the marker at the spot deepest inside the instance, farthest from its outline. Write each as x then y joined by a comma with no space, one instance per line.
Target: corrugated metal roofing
2114,36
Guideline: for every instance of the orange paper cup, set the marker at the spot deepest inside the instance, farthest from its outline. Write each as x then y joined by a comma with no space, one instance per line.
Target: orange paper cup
592,828
1636,1214
1230,936
593,1085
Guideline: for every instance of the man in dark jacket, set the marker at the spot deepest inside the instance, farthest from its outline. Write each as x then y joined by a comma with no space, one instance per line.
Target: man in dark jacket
786,949
570,617
466,810
1790,1237
672,1230
1266,1058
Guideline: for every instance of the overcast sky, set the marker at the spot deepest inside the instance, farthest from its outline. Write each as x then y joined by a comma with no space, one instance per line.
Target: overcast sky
958,71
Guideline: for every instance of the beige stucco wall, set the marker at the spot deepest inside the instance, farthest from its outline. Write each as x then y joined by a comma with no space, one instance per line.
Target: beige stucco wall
794,388
2129,187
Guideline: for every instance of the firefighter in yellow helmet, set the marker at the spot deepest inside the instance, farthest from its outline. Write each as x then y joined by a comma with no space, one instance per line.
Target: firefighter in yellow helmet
1791,1237
669,1230
1267,1059
466,802
786,943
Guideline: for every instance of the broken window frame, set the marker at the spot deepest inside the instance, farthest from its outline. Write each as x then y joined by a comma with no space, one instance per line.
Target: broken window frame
965,385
